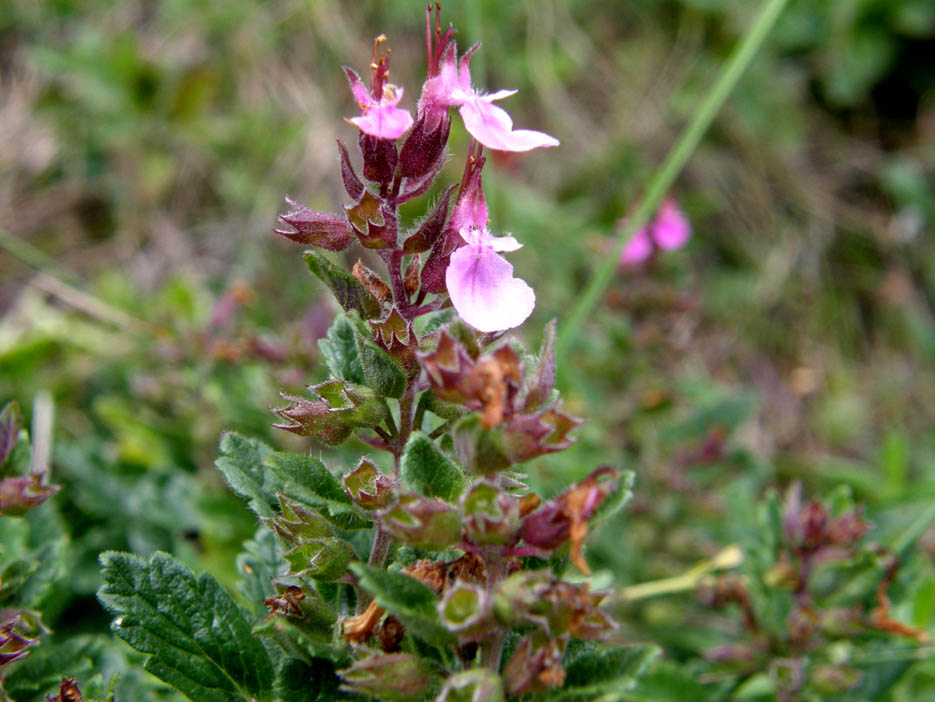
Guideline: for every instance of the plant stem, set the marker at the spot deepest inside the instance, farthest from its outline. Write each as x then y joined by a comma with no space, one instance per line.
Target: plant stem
674,162
497,566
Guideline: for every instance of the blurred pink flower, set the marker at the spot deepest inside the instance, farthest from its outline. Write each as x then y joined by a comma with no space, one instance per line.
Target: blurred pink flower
487,123
668,230
381,118
481,283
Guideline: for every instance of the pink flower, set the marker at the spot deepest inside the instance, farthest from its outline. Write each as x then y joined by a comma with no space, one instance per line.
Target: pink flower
381,118
481,283
489,124
669,230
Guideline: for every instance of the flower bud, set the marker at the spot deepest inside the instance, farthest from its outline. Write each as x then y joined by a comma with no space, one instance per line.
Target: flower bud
814,526
411,277
367,486
423,522
352,183
840,622
380,158
394,335
565,517
67,692
476,685
388,676
296,524
19,494
740,656
801,624
312,228
372,282
466,610
783,575
834,679
15,640
788,677
341,407
431,227
324,558
491,516
424,147
847,529
372,222
535,666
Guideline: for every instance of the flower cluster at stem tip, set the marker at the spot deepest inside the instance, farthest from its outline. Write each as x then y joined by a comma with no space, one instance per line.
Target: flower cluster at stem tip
479,281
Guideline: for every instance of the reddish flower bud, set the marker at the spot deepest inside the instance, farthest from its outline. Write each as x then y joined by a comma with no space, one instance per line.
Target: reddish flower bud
341,407
367,486
388,676
411,277
352,183
372,222
67,692
814,526
847,529
432,226
20,494
491,516
380,158
565,517
374,284
394,335
834,679
424,146
427,523
312,228
18,631
467,610
535,666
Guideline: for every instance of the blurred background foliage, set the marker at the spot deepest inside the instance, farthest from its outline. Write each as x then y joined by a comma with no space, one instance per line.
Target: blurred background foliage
145,148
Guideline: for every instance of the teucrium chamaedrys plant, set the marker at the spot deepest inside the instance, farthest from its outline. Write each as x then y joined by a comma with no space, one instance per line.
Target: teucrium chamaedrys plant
441,578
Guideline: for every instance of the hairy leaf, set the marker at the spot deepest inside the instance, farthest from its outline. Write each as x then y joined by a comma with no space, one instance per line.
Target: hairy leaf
599,671
339,350
349,293
198,639
427,470
307,480
242,466
407,598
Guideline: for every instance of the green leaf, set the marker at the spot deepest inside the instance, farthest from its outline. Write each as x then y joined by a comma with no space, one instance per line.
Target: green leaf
667,682
382,373
349,293
427,470
300,681
199,641
593,670
414,603
242,466
258,563
615,499
307,480
339,350
41,672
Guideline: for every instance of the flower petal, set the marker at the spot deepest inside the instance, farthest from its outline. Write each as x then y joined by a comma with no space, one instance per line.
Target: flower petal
671,230
484,291
477,236
638,249
384,121
493,128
